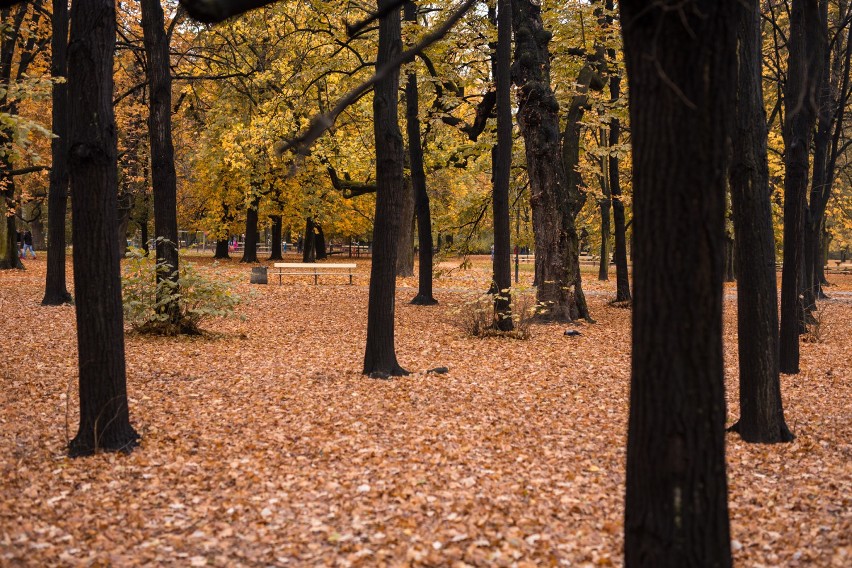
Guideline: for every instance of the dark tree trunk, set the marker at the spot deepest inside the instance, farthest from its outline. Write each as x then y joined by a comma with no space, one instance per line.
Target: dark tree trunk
55,288
676,511
418,181
554,202
104,413
380,353
804,63
143,232
163,177
605,205
622,277
250,250
221,249
761,410
319,243
501,168
730,271
275,251
309,253
405,255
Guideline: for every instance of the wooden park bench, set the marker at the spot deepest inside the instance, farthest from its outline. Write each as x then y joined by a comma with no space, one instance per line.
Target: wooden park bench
311,269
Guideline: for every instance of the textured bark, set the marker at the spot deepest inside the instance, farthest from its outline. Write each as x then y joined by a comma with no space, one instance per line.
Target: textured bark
676,511
405,254
501,168
380,353
761,410
104,414
418,181
8,230
163,176
55,287
557,246
250,249
804,68
275,251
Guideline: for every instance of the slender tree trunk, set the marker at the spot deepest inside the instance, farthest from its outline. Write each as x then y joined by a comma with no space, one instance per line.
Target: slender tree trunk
104,413
163,176
380,353
250,250
554,202
605,205
622,277
804,64
676,511
730,272
418,181
309,253
405,255
761,410
143,231
55,288
275,251
501,168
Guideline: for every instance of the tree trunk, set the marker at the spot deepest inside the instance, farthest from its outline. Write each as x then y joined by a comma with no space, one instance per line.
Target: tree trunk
308,243
761,410
405,255
250,250
55,286
501,168
676,511
418,181
730,272
221,249
605,205
319,243
804,65
143,231
554,203
380,353
163,176
275,251
104,413
622,277
9,251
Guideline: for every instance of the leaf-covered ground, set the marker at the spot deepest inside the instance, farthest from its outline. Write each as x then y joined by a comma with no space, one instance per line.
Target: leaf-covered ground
267,447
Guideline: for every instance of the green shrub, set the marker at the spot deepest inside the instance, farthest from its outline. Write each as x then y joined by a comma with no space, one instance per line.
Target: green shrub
198,298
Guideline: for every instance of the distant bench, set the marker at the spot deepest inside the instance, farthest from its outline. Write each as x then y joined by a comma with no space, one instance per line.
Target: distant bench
311,269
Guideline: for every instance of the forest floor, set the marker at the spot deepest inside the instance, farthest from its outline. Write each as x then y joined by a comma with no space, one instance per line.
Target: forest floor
265,446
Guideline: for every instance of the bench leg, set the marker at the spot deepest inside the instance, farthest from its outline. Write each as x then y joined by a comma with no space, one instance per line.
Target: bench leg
315,278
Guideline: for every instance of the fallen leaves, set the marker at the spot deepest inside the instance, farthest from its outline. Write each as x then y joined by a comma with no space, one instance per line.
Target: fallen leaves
266,446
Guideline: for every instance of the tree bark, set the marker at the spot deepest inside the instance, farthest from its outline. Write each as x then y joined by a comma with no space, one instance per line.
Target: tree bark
418,181
676,511
163,176
380,353
405,255
554,205
804,63
221,249
605,205
104,413
501,168
761,410
55,287
308,243
250,250
275,251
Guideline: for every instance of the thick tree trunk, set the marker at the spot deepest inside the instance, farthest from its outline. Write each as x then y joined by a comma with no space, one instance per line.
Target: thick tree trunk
418,181
309,253
163,176
554,203
761,410
676,511
275,251
804,63
250,250
221,249
319,243
380,353
9,251
104,413
501,168
55,286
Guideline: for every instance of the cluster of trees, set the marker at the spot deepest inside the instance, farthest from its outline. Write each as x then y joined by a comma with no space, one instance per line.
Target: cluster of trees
256,95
